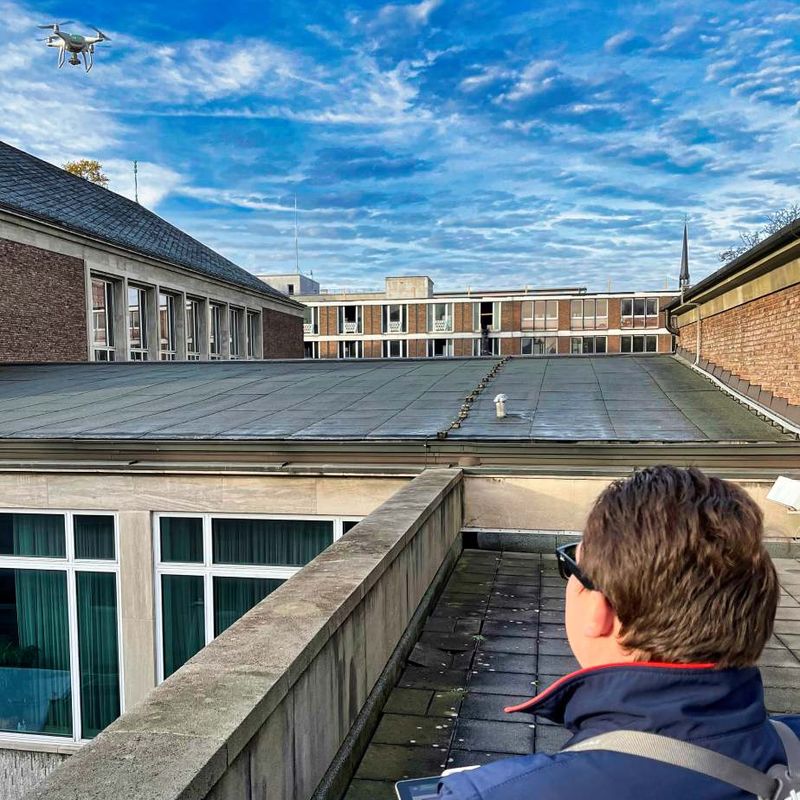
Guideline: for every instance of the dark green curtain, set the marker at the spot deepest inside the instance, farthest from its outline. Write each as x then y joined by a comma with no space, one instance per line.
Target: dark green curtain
97,649
94,536
32,535
234,597
182,539
277,542
183,619
43,640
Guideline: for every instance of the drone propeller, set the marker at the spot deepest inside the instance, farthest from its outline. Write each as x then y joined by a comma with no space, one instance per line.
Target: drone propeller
102,35
55,25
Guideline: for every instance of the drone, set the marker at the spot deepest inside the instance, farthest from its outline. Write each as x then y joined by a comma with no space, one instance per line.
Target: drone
74,44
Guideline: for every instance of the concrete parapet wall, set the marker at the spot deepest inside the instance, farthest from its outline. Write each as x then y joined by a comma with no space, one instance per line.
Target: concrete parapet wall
263,710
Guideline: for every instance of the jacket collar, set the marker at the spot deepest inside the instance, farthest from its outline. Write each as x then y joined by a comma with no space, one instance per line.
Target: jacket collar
687,701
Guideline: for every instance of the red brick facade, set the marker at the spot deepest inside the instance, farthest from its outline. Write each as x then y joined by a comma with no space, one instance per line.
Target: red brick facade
283,334
42,305
756,341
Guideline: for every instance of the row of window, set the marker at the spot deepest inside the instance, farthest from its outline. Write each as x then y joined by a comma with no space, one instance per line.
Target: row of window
585,314
529,346
60,649
198,315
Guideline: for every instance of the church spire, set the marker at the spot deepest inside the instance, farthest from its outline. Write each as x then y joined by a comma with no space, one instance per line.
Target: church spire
683,280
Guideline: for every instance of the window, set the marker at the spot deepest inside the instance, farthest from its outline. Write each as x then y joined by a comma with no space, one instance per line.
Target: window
310,349
485,346
168,344
290,287
394,348
211,570
587,345
639,344
639,312
540,315
236,320
394,319
349,319
194,311
440,348
59,642
486,316
311,320
351,349
440,317
215,332
539,346
137,323
253,334
102,319
588,314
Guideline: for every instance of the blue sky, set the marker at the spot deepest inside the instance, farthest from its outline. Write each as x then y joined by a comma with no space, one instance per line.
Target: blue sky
483,143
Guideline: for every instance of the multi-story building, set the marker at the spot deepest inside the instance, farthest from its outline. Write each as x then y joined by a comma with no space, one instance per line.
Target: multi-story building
88,275
410,320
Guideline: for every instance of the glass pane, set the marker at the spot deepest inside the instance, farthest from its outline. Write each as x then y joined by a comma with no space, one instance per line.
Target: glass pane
625,344
94,536
626,307
32,535
638,307
182,539
183,619
526,347
35,688
588,344
349,524
281,542
551,346
234,597
575,346
600,344
652,306
650,344
638,344
97,649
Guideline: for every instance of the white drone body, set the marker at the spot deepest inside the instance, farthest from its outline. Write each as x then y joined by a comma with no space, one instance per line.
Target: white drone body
74,44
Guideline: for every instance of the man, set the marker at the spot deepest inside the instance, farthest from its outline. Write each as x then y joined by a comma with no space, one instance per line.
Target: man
670,600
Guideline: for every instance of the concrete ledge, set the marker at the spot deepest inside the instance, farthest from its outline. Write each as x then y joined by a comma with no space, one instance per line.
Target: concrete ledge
547,541
263,710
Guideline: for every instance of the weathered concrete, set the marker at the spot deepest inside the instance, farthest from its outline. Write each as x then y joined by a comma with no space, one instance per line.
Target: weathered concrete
21,770
263,710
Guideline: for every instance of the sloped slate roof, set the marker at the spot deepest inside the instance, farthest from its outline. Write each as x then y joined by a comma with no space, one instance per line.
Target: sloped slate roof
38,189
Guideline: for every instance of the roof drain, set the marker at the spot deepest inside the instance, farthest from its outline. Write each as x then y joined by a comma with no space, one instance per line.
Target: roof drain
466,406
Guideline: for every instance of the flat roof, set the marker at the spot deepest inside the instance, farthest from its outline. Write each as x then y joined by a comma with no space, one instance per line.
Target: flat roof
607,399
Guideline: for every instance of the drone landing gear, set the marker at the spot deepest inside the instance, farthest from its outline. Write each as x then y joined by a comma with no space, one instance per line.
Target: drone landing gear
74,60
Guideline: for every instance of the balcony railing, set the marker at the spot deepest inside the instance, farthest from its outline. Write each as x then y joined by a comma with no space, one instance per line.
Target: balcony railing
394,326
442,325
351,327
309,327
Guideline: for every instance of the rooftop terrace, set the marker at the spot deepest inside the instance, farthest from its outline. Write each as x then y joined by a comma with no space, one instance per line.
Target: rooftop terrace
607,399
495,638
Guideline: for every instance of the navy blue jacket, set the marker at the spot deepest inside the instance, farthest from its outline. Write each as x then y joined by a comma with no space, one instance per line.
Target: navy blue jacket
719,709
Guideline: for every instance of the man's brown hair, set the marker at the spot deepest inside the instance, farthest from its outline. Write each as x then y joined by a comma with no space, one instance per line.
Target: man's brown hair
679,555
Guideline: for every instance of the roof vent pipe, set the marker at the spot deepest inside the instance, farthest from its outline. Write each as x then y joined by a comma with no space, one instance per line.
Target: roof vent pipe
500,405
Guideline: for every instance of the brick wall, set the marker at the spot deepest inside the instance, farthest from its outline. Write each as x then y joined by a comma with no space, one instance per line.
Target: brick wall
462,317
756,341
283,334
511,316
42,305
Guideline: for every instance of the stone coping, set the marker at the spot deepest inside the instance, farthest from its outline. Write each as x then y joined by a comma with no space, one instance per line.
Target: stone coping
182,738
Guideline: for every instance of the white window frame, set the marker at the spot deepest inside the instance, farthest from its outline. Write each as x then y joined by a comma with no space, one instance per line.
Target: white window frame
253,348
236,319
347,328
549,321
141,353
394,326
208,570
497,315
644,336
215,331
70,565
448,348
311,328
109,292
314,349
642,319
403,348
554,340
494,346
193,353
358,344
443,324
168,351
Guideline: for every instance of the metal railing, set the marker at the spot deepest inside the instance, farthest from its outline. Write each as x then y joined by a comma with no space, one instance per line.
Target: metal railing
442,325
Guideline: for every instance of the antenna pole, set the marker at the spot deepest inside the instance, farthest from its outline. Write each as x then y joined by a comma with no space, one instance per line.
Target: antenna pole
136,180
296,241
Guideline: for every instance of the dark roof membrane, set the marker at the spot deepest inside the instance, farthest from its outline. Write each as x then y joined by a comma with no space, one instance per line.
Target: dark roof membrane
35,188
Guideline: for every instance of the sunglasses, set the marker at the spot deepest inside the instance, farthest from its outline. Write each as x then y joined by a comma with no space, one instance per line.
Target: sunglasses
566,555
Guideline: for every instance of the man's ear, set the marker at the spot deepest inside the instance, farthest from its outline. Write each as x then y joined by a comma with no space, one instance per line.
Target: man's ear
600,616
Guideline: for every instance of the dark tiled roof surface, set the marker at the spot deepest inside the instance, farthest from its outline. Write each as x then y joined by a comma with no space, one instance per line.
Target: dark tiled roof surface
617,398
38,189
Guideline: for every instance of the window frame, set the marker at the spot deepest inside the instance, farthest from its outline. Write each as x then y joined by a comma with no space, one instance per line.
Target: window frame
644,336
142,352
253,336
70,565
544,340
236,319
358,346
446,320
194,332
167,340
215,331
387,321
449,347
109,291
403,344
208,570
549,322
640,320
359,319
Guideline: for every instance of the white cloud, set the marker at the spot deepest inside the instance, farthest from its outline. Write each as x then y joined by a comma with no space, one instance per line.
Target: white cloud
413,14
156,181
